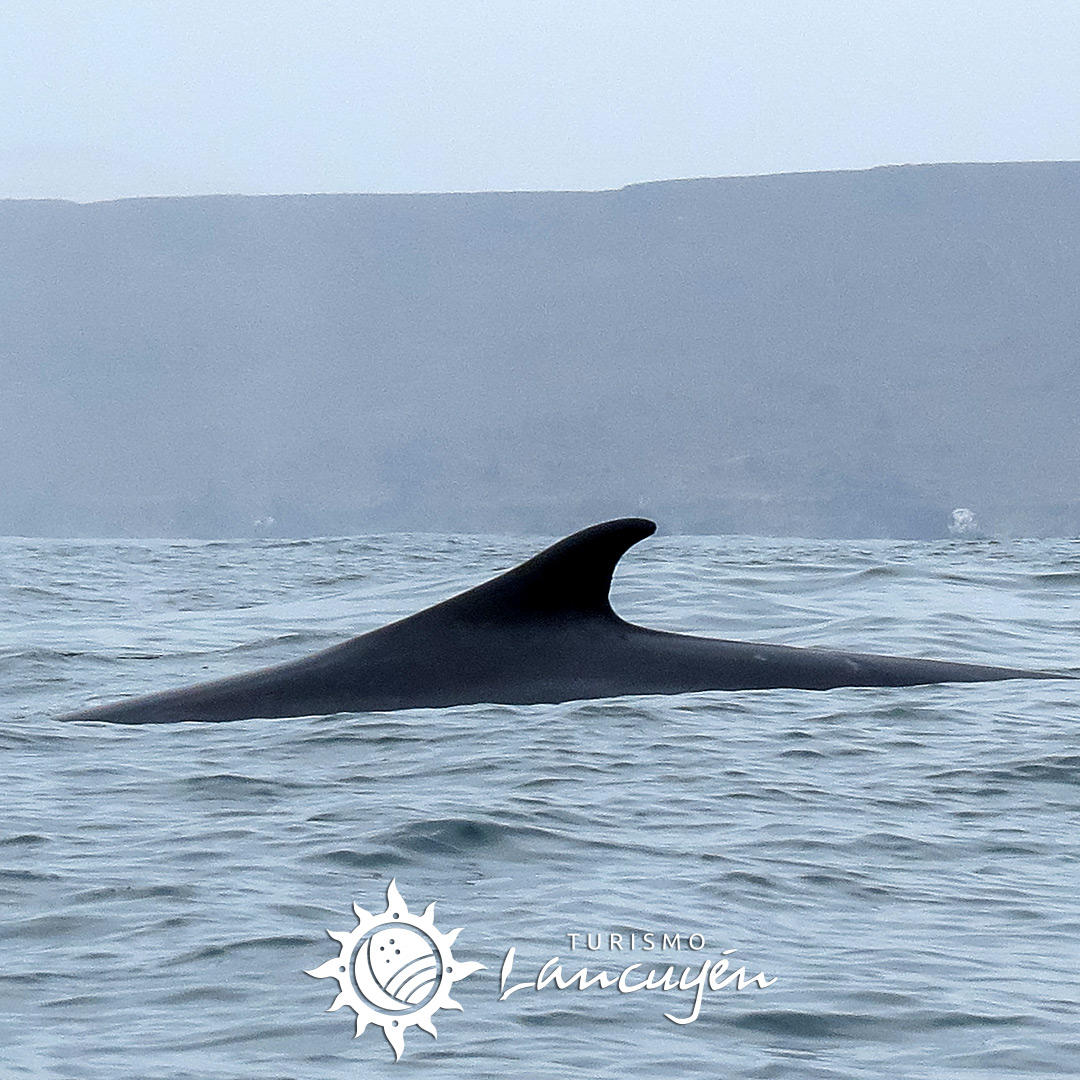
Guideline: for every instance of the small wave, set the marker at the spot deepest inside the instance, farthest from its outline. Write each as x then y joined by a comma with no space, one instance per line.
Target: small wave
876,573
219,952
1056,578
264,644
1059,769
36,591
8,874
895,842
134,892
68,1002
808,1025
460,835
237,785
237,1035
47,927
215,993
743,877
564,1019
328,581
45,655
968,1020
358,860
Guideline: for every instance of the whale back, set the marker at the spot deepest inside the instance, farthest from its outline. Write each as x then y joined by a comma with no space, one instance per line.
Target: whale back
542,632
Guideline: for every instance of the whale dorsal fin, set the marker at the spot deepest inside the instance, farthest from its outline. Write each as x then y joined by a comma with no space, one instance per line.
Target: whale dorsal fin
572,577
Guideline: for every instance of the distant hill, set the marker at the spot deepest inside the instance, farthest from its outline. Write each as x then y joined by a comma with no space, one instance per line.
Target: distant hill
827,354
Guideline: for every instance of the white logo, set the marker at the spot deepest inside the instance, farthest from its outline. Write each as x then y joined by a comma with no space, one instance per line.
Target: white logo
395,969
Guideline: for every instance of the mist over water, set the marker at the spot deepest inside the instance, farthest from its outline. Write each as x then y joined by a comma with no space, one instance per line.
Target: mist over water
844,354
904,862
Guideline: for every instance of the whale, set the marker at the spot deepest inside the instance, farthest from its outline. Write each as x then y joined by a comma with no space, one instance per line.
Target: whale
543,632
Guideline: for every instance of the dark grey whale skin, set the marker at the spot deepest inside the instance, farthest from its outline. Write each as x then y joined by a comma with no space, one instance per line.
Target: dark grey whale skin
542,632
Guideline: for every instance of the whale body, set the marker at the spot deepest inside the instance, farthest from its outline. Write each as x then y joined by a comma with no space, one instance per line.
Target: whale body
542,632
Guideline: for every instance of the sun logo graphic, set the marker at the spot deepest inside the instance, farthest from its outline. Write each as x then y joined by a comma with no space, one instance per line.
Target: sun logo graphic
395,970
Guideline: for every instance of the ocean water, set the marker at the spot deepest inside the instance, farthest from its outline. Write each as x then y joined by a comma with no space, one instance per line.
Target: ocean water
901,866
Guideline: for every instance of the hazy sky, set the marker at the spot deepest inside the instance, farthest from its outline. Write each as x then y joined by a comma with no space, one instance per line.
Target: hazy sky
107,98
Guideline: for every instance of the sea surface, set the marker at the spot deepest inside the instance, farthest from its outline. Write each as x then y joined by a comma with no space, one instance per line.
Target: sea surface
901,866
